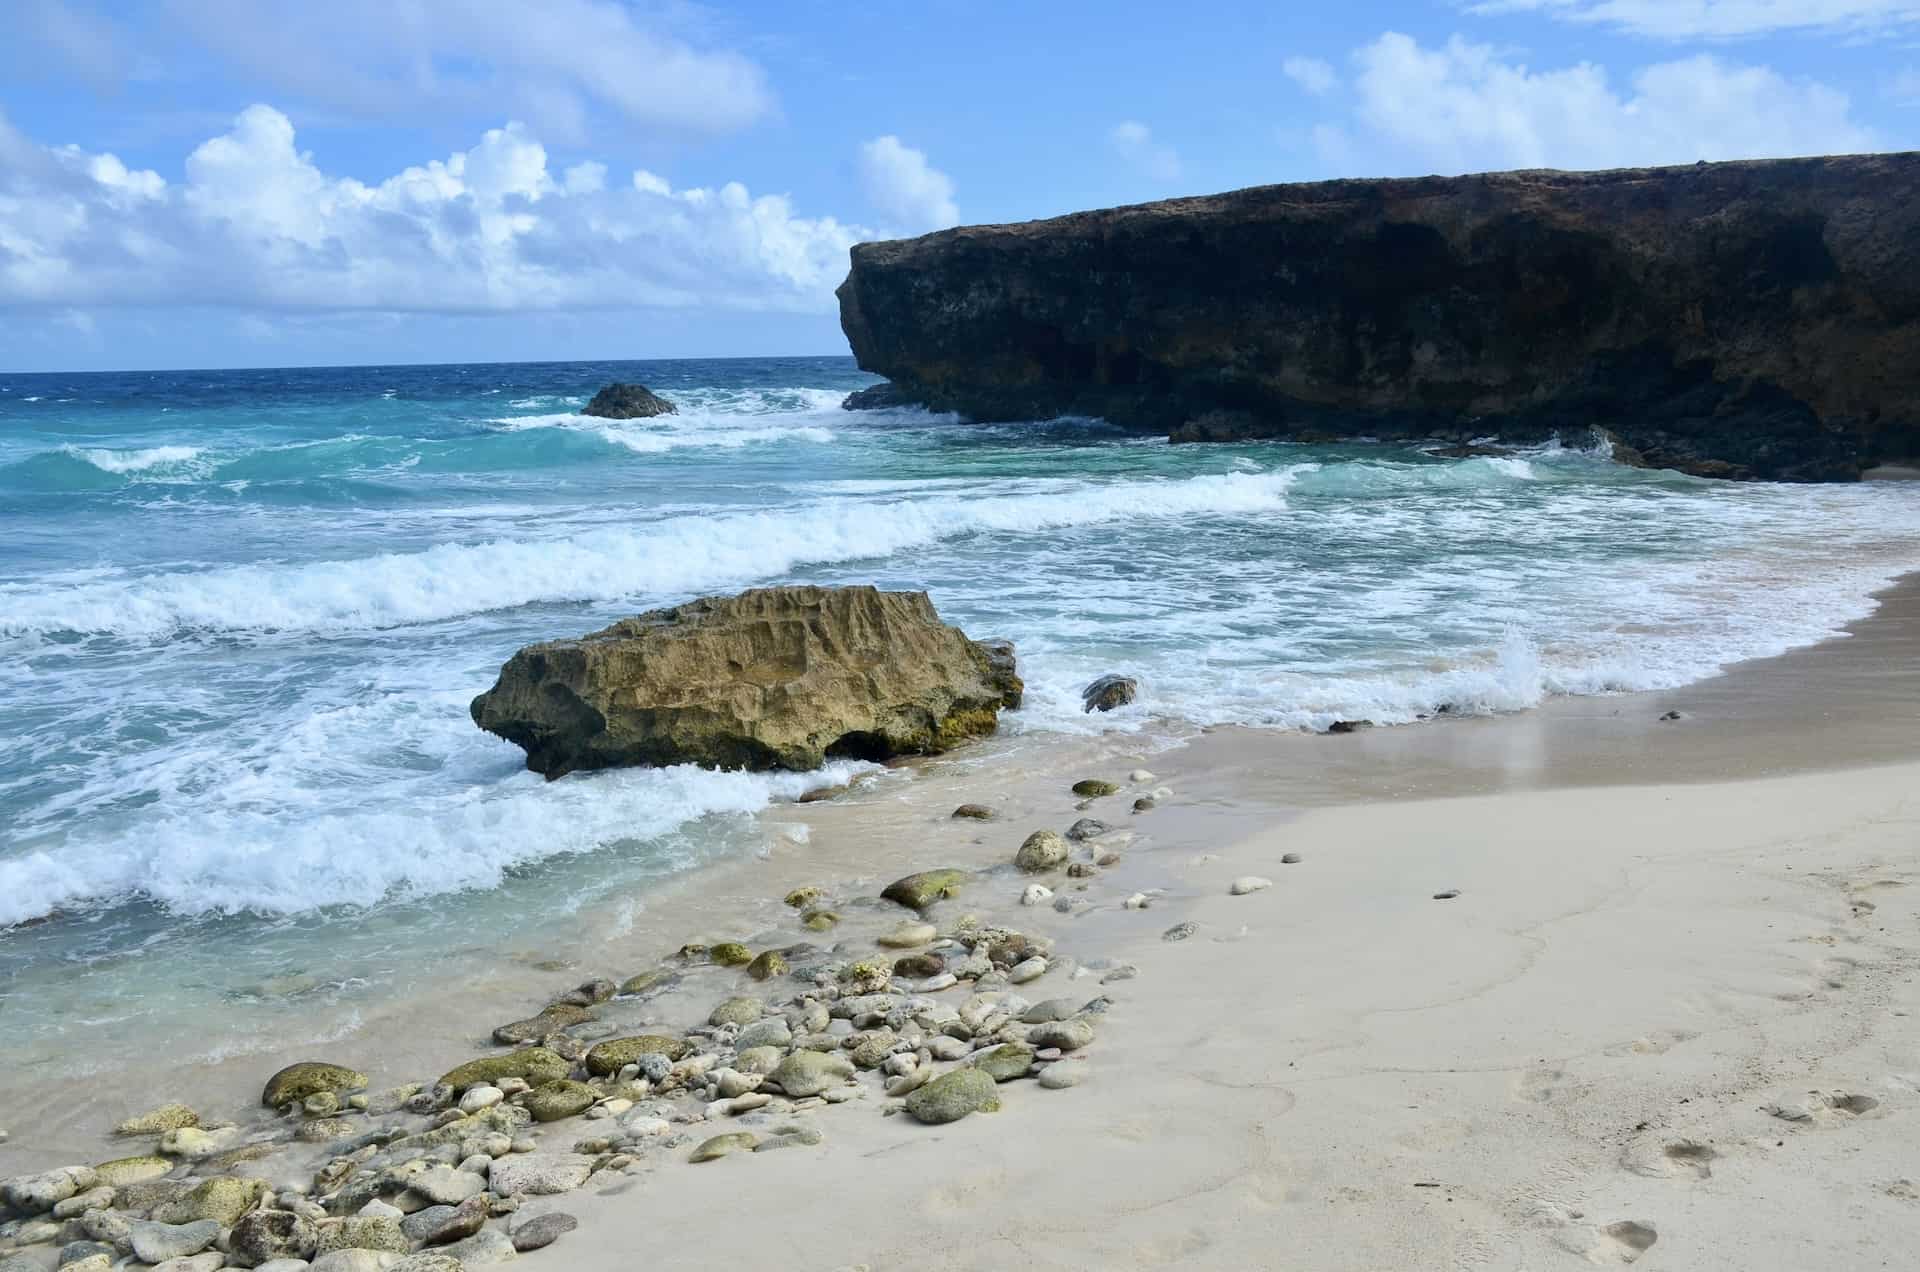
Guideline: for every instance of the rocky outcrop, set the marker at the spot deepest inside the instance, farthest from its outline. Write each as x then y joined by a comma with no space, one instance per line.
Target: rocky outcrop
1747,320
774,678
628,402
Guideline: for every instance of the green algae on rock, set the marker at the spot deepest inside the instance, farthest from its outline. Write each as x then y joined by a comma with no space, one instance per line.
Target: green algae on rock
617,1053
309,1077
535,1064
952,1096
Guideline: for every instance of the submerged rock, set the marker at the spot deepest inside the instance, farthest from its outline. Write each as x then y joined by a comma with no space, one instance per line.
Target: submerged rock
1109,692
774,678
1042,850
168,1117
918,891
628,402
536,1065
309,1077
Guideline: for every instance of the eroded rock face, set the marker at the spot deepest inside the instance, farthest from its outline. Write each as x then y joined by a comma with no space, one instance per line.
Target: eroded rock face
774,678
1746,320
628,402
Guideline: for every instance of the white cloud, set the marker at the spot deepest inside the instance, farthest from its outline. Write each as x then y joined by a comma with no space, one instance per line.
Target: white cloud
1464,106
905,188
557,64
1310,73
257,224
1720,19
1134,142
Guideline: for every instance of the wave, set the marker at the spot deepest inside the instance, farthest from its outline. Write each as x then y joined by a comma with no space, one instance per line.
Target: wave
288,853
677,556
120,462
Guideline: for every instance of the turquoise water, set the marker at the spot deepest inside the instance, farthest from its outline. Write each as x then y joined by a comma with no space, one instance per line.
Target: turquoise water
242,615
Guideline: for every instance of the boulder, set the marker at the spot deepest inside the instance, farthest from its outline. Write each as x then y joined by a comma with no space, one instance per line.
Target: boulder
552,1020
1750,319
556,1100
1109,692
168,1117
628,402
538,1174
774,678
806,1073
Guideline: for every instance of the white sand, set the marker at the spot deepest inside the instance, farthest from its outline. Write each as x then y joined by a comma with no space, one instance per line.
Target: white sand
1574,1057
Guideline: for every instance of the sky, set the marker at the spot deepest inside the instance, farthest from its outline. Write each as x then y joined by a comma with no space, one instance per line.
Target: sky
227,183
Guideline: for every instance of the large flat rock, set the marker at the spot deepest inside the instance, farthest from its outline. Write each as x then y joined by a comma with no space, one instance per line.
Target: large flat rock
774,678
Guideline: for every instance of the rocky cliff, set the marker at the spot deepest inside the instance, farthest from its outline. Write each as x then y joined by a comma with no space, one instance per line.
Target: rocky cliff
1749,320
773,678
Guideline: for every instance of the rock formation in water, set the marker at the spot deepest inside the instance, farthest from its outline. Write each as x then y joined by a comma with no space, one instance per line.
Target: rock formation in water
1747,320
628,402
774,678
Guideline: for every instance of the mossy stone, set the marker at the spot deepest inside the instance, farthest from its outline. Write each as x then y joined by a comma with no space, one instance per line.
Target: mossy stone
1006,1062
737,1011
536,1064
720,1145
309,1077
645,981
1095,788
122,1171
362,1233
551,1020
767,965
952,1096
222,1200
918,891
554,1100
801,898
168,1117
819,920
730,954
616,1054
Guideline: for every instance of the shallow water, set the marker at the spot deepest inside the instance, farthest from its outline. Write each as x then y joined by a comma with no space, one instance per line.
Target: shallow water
243,613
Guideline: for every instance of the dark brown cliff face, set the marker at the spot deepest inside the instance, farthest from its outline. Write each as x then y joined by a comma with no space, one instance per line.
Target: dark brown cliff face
1756,320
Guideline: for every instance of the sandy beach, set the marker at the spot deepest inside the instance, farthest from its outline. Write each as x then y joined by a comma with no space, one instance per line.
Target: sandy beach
1664,1019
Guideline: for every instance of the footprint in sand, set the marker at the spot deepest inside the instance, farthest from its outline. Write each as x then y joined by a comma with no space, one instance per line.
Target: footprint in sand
1821,1107
1541,1086
1657,1043
1630,1238
1676,1159
1622,1242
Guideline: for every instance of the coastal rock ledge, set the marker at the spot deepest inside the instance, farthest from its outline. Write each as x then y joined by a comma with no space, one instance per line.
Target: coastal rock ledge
1743,320
774,678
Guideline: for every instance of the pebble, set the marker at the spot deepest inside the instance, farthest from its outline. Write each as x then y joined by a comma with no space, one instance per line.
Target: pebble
1087,828
1138,776
481,1097
1068,1035
1249,883
1036,894
1448,895
1058,1077
1126,971
933,984
1031,969
489,1245
1179,932
1290,859
1145,804
1139,901
973,812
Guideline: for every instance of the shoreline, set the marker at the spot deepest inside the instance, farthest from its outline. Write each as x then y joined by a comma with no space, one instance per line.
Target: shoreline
1237,795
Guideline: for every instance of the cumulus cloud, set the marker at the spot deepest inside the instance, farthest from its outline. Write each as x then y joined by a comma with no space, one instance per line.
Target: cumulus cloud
1464,106
903,187
1134,142
1310,73
256,223
1720,19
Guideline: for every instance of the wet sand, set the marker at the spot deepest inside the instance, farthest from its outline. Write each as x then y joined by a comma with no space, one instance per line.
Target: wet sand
1631,886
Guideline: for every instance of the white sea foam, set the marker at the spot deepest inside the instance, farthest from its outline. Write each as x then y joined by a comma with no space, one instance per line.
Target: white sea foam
673,557
121,462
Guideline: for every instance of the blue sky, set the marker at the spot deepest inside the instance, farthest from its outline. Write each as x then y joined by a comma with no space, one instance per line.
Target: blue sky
261,183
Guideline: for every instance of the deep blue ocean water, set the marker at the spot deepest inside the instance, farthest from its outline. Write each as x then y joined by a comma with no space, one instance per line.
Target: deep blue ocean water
242,615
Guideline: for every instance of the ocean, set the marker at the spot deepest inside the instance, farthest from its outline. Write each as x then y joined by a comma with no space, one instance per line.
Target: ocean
242,614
